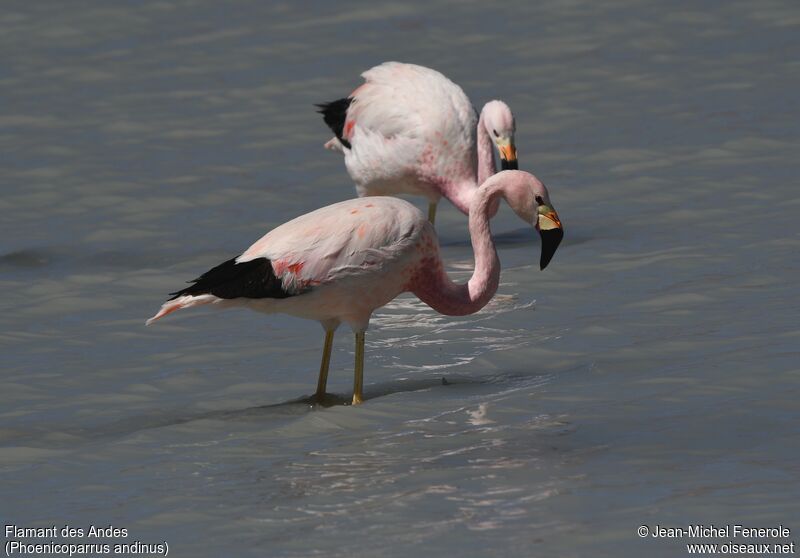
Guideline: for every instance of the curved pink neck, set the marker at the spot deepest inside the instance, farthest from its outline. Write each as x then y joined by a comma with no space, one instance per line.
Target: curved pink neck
486,162
460,194
434,287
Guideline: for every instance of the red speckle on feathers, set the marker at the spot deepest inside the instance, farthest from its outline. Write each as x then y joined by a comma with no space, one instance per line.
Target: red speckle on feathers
282,267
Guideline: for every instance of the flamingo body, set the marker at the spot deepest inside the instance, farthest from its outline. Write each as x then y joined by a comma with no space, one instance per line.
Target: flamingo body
335,264
341,262
410,130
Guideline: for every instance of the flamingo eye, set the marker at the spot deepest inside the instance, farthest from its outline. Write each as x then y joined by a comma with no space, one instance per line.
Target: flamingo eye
539,200
496,134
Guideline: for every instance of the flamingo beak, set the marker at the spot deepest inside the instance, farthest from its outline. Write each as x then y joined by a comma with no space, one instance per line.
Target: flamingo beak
508,155
551,231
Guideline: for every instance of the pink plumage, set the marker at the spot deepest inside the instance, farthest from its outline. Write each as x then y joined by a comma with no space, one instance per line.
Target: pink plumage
408,129
341,262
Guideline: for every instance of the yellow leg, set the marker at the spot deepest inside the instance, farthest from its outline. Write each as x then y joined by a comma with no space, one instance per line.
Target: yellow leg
322,382
358,382
432,213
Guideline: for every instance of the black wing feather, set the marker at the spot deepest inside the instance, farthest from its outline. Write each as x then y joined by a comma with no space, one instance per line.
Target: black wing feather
334,114
253,279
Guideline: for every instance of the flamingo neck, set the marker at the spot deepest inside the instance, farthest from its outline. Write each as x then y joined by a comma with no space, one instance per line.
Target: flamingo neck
435,288
463,195
486,162
462,192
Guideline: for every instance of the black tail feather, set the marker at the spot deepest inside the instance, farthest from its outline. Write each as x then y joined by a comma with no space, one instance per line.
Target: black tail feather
334,114
253,279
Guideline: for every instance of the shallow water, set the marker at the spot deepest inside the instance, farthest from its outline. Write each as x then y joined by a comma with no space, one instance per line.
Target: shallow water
648,376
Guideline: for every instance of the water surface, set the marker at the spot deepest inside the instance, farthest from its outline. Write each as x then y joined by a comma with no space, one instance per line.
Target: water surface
648,376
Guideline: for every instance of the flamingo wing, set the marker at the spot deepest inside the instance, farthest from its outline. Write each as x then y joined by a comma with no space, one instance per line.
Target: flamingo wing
403,118
362,238
357,236
335,114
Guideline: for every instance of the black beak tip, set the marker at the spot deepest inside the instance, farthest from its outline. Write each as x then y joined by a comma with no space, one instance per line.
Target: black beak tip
550,240
509,165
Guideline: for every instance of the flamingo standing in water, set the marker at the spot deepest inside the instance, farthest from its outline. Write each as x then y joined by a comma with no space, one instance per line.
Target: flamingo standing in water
341,262
410,130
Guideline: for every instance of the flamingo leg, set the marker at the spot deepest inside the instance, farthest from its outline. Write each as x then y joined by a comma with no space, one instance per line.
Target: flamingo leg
432,212
358,382
322,381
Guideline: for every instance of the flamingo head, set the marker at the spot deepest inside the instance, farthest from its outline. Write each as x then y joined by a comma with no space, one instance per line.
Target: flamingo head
530,200
499,123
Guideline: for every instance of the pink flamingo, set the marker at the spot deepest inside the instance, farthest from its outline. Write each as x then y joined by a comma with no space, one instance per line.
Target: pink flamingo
410,130
341,262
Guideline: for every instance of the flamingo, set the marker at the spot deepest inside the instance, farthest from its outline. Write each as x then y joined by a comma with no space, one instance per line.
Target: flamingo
341,262
410,130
